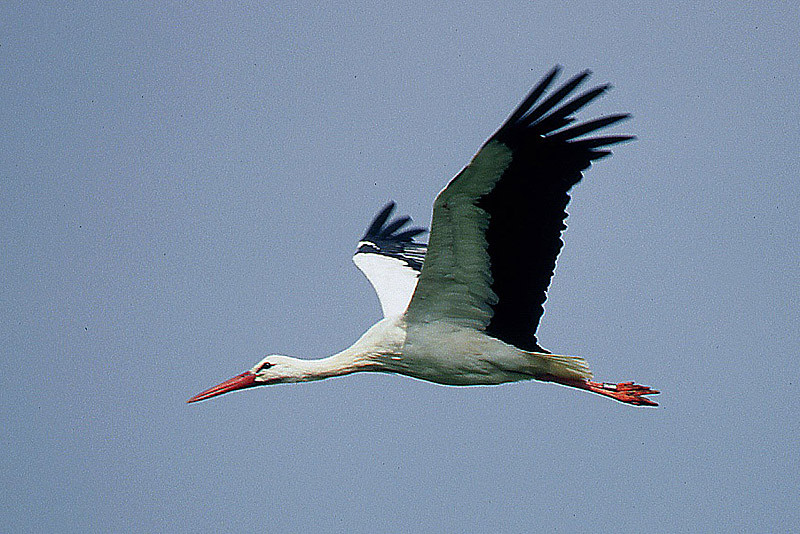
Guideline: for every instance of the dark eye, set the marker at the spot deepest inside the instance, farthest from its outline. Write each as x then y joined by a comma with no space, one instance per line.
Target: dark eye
265,365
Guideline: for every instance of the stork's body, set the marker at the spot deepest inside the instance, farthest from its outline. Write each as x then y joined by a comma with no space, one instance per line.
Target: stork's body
463,310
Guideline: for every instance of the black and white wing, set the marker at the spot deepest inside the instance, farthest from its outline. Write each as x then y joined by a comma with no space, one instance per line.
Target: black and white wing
391,259
496,229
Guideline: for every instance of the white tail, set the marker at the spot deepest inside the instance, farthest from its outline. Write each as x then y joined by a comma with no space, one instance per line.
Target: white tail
566,366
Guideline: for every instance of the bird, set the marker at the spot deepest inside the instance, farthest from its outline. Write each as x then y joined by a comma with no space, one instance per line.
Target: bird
463,310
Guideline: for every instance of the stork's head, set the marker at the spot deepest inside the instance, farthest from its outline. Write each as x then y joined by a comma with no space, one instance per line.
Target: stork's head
272,369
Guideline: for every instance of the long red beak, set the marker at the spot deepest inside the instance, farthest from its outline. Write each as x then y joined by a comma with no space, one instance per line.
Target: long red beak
244,380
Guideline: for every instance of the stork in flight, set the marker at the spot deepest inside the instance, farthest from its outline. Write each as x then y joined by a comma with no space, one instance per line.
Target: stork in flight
463,310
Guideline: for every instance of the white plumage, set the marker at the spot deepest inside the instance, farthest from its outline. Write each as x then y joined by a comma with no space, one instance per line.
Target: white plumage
393,279
464,310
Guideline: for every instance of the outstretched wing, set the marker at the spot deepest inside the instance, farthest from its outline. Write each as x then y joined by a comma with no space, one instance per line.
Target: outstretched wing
391,259
496,229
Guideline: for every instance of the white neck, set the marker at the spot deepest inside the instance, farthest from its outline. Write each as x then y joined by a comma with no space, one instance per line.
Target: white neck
344,363
367,354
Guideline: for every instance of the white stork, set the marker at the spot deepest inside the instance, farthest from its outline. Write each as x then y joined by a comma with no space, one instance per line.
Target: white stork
463,311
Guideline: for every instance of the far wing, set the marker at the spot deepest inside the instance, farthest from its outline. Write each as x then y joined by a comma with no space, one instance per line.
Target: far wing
391,260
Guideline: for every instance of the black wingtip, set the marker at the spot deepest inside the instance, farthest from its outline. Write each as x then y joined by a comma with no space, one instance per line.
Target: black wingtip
551,75
393,231
380,219
410,234
534,94
588,127
562,116
603,141
555,98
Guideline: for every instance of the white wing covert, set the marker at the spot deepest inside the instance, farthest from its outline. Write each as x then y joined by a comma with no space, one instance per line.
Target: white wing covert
391,259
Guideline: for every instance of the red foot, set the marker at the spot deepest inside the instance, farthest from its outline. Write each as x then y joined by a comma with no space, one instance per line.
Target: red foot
626,392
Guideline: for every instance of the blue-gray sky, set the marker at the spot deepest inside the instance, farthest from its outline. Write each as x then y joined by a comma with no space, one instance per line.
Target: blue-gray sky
182,188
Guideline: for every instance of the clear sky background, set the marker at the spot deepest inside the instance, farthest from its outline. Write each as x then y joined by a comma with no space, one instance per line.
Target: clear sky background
182,188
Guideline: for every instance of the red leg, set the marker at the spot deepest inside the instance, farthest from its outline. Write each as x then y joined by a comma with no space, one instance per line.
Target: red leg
626,392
